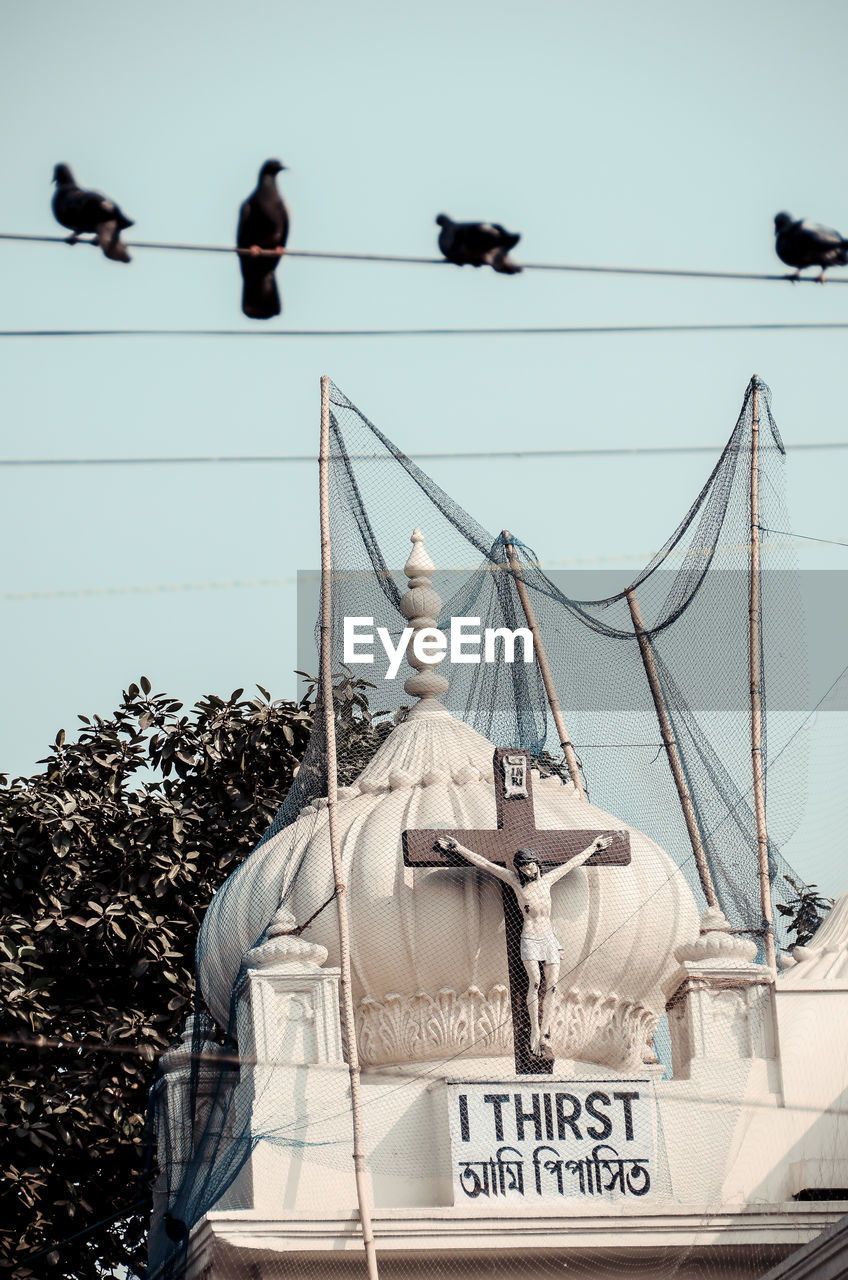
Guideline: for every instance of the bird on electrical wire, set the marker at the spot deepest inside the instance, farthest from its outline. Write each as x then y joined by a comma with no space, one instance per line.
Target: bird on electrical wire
803,244
85,212
478,244
263,224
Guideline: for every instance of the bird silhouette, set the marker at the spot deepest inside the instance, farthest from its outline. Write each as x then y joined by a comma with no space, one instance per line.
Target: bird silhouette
85,212
263,224
802,244
477,244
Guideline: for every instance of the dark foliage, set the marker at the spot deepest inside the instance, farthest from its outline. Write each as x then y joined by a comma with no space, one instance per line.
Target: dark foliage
108,859
805,909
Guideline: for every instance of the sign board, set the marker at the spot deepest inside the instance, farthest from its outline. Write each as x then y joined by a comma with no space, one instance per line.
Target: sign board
551,1141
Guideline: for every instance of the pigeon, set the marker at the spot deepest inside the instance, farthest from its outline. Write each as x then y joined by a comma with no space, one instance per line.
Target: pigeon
83,211
807,244
263,224
478,244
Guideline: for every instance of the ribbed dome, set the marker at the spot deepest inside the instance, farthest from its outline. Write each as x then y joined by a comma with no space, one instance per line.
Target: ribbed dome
429,962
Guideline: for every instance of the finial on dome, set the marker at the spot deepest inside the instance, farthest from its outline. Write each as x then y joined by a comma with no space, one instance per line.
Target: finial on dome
420,605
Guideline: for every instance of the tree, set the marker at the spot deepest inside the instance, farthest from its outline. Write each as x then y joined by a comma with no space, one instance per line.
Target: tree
108,859
806,909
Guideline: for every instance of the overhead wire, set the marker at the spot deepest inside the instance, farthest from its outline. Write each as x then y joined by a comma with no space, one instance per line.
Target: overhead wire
414,260
229,584
461,455
503,331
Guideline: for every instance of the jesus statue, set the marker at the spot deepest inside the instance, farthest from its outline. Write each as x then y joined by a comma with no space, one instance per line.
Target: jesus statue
540,948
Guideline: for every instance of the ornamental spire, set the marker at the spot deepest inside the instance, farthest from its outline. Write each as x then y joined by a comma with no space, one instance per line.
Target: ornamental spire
420,605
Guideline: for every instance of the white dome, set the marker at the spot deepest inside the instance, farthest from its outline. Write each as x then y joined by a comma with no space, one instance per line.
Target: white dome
428,949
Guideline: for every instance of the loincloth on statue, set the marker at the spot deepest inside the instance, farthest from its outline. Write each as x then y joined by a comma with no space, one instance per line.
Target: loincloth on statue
544,950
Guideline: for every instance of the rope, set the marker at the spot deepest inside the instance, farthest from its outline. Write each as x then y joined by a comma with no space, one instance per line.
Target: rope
806,537
404,259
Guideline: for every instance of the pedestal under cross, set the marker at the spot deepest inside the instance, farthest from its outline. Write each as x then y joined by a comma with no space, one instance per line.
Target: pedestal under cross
516,830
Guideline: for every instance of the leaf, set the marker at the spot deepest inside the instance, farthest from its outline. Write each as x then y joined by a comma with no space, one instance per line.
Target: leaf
145,684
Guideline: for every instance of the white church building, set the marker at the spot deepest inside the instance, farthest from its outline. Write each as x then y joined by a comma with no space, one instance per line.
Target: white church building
601,1163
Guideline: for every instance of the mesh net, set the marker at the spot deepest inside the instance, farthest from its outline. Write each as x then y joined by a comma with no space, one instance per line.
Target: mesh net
253,1107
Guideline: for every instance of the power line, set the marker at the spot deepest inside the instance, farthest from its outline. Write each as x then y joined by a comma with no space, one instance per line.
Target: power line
410,260
505,331
202,459
72,593
171,588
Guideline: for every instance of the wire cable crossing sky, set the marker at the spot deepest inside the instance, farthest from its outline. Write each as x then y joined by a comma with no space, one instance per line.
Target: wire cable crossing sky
411,260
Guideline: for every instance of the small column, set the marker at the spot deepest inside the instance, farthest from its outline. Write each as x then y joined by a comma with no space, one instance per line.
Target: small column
289,1009
294,1094
720,1010
180,1121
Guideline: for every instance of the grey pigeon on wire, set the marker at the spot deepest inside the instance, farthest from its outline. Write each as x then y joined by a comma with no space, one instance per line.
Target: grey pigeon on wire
263,224
478,244
84,212
803,244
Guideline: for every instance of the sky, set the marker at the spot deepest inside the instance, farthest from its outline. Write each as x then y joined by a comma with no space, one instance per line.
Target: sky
661,134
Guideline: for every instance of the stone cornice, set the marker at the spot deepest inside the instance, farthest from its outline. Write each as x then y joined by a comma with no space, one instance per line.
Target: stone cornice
784,1227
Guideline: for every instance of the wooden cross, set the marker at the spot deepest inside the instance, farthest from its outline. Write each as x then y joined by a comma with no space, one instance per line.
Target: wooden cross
516,829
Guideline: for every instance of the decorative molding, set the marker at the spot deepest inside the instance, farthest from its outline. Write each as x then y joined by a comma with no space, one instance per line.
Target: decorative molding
418,1028
717,942
281,946
596,1026
589,1026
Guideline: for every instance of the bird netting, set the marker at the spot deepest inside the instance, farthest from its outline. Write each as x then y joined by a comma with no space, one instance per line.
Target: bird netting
248,1125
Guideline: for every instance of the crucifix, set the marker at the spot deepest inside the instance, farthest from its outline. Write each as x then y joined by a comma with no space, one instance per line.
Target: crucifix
527,861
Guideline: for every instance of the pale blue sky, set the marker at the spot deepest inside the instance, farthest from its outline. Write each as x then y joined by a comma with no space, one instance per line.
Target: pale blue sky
659,134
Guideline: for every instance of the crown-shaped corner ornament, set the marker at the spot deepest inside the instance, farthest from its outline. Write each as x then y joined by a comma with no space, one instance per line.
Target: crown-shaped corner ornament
716,941
420,605
282,945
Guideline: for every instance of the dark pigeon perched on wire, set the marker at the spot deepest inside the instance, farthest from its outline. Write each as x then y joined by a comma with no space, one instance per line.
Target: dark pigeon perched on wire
89,212
807,244
263,224
478,244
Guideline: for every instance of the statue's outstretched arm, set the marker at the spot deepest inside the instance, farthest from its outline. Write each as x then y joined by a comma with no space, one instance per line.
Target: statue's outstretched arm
602,842
448,845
